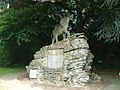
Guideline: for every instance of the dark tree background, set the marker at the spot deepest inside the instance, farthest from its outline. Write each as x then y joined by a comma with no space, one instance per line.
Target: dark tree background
27,25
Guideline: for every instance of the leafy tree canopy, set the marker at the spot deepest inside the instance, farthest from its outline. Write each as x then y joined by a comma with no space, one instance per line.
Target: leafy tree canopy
26,18
22,24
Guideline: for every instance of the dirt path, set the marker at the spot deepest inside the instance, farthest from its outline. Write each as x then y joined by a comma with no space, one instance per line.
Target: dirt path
11,82
115,82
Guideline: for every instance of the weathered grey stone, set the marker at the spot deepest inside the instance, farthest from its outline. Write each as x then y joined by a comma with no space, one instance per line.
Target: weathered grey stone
77,60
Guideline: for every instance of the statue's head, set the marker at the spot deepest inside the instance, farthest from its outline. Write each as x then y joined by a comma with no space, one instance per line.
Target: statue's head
67,15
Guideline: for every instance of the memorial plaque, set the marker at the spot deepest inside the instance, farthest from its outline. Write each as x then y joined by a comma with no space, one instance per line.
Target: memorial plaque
33,74
55,59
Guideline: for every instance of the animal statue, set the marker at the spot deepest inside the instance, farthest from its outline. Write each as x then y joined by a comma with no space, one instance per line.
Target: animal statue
61,29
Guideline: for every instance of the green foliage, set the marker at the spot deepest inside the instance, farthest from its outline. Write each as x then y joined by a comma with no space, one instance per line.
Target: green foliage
106,55
26,22
5,60
23,31
14,25
109,30
2,5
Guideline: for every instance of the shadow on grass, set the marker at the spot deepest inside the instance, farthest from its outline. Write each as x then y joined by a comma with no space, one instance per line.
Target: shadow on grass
7,70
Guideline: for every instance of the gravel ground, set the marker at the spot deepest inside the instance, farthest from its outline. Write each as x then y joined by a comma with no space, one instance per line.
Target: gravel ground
27,85
115,82
18,81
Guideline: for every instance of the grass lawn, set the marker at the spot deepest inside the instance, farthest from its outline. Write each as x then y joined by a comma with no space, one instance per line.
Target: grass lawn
8,70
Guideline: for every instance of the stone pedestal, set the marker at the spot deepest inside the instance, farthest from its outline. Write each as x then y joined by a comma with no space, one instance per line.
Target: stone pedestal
70,66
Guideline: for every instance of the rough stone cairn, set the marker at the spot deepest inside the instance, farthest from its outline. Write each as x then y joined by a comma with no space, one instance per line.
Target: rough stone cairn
77,60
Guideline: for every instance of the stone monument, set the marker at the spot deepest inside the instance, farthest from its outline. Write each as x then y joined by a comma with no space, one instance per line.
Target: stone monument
64,63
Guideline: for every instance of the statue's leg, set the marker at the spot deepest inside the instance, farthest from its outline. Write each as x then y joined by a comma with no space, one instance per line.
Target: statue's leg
64,36
53,40
67,32
56,37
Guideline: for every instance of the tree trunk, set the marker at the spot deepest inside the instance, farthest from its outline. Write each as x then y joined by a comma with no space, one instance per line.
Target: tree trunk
80,19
